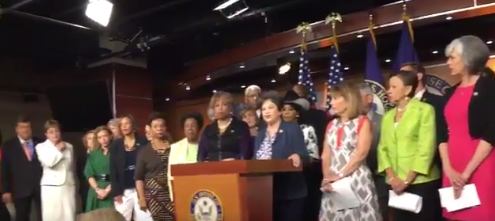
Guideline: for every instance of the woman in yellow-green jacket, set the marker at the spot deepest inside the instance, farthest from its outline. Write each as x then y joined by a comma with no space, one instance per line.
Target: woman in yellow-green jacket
407,148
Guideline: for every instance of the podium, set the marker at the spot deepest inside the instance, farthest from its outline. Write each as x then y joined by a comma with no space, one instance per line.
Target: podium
239,190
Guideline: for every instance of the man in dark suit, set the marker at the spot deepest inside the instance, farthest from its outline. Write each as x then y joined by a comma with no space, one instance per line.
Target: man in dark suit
21,172
4,212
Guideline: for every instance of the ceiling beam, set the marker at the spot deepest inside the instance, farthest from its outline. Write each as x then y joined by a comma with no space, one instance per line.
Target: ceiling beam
387,17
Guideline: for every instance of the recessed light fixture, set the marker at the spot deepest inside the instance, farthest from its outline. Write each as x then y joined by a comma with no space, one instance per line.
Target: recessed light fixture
388,60
284,68
188,88
449,18
434,52
243,86
489,42
214,91
273,81
167,99
346,68
208,77
242,66
360,36
292,51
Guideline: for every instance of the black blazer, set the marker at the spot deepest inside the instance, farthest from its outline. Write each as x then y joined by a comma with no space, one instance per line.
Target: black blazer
20,176
117,163
481,108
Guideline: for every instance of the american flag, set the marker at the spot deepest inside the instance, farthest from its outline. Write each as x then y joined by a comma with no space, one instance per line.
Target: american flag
334,74
305,76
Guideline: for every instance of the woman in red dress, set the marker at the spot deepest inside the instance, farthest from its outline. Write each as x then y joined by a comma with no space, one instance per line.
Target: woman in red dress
467,155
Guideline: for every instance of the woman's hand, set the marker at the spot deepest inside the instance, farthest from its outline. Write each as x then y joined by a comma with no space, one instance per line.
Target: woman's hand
118,199
456,179
101,194
296,160
398,186
228,159
330,178
142,204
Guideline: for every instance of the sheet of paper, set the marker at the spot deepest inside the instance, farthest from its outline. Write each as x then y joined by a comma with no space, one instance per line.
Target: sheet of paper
469,198
343,196
405,201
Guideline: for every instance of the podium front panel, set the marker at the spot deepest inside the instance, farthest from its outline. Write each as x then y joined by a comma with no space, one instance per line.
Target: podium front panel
215,197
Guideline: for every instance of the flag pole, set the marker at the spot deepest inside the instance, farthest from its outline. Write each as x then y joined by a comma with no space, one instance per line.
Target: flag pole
332,19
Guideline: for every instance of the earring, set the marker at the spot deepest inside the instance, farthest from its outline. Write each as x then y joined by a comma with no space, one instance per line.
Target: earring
407,98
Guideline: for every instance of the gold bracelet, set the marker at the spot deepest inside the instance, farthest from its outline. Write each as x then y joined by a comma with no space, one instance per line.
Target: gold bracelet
390,179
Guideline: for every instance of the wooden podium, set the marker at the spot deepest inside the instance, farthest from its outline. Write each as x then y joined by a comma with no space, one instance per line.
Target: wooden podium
243,188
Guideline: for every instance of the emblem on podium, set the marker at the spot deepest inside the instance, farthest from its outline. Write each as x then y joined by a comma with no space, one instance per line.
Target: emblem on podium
206,206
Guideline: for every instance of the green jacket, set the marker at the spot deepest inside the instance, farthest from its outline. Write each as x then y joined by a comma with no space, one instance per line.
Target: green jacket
409,145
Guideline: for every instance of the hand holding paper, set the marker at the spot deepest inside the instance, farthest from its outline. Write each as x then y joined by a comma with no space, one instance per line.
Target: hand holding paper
405,201
468,198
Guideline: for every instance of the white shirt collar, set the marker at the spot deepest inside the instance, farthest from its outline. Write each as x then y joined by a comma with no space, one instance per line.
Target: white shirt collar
24,141
419,94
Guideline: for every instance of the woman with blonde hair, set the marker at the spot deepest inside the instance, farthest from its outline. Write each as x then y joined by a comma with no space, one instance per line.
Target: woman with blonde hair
97,172
89,141
58,186
346,146
227,138
114,126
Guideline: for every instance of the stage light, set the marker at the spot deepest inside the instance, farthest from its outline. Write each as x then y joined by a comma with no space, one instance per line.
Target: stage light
225,5
346,68
188,88
99,11
242,66
208,77
360,36
489,42
214,91
243,86
284,68
232,8
388,60
273,81
449,18
434,52
167,99
292,51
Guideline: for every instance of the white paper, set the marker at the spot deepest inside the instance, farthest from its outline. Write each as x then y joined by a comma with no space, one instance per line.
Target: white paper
469,198
405,201
342,195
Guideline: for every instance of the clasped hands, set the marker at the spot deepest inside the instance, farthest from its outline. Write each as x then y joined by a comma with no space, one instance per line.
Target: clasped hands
102,193
398,185
457,180
326,183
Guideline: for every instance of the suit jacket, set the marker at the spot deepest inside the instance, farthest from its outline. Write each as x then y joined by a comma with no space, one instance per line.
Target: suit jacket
376,122
409,145
117,163
481,109
58,166
289,140
20,176
178,155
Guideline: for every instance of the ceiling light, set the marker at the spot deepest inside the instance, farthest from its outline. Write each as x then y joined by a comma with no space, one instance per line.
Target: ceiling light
284,68
434,52
208,77
346,68
214,91
167,99
388,60
489,42
273,81
188,88
449,18
242,66
243,86
237,13
360,36
292,51
225,5
99,11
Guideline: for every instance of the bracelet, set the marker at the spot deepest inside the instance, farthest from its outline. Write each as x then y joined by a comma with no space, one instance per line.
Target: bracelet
390,179
406,182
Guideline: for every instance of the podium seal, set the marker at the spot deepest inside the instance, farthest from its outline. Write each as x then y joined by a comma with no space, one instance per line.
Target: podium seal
206,206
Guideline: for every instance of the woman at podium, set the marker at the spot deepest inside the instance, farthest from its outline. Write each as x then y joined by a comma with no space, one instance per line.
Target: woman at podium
281,140
151,172
227,138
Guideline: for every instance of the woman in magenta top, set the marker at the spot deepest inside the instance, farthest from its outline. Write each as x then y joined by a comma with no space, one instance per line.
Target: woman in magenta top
467,155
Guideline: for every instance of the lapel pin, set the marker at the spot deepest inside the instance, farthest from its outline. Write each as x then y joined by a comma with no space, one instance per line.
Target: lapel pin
475,93
281,131
232,131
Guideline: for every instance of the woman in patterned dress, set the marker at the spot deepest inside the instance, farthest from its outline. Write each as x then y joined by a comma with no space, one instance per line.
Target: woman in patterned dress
97,172
346,146
152,172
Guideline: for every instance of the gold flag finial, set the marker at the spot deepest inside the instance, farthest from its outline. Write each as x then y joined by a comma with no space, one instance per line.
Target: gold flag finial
303,28
332,19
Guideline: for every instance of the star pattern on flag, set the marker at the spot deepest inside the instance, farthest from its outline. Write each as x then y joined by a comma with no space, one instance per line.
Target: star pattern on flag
335,75
305,76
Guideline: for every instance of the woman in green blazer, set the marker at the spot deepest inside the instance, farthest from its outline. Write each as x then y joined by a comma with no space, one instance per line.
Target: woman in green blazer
407,148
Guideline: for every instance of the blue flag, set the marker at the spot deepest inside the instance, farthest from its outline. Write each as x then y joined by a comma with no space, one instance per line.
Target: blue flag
406,52
305,76
334,74
374,77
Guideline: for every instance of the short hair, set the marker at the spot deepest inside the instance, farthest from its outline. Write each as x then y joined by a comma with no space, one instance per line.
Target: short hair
274,97
114,122
106,214
365,87
51,124
84,140
304,90
409,78
222,95
252,88
195,116
473,51
352,95
155,116
131,119
244,109
23,119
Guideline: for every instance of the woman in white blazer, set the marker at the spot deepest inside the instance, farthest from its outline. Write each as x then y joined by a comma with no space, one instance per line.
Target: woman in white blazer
58,186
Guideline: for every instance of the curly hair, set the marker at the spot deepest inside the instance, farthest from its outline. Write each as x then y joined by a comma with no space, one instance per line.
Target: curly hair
194,115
